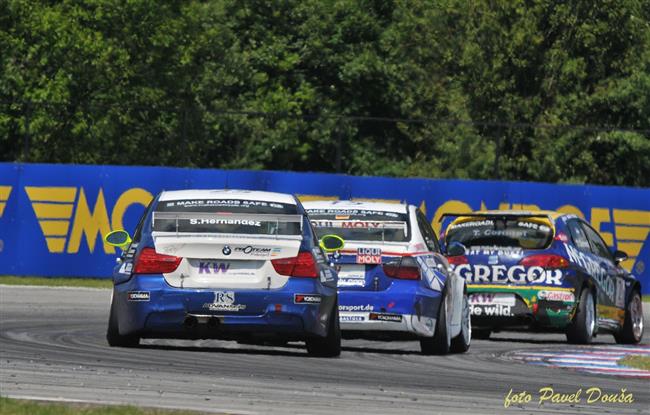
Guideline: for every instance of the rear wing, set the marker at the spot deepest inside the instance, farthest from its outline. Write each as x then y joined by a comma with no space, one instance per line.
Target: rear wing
361,225
513,215
339,223
259,225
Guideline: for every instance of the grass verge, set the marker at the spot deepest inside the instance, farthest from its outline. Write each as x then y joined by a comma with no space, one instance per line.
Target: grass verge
637,362
57,282
25,407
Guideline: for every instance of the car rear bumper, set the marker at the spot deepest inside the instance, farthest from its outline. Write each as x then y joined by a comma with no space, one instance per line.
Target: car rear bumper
403,308
149,307
532,307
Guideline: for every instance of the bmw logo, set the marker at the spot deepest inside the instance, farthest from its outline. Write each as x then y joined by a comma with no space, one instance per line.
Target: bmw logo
226,250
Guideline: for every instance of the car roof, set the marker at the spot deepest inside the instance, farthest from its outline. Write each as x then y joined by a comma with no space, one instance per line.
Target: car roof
227,194
358,205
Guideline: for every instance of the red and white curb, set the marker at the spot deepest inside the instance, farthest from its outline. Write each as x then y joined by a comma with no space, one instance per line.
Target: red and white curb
597,360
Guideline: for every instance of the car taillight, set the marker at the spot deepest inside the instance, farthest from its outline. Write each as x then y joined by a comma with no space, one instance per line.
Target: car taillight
405,268
545,261
151,262
458,260
302,266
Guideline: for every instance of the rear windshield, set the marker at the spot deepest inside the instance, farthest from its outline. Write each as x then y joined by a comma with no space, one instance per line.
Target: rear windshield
360,225
227,216
516,233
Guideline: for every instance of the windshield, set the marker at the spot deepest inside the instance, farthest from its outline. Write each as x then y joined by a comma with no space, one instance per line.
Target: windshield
360,225
501,232
227,216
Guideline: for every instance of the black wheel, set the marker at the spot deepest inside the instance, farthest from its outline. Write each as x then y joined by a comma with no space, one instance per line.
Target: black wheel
582,328
460,343
481,334
632,330
113,336
330,345
440,343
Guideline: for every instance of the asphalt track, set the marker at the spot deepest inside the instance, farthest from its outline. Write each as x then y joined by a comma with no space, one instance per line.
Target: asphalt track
52,346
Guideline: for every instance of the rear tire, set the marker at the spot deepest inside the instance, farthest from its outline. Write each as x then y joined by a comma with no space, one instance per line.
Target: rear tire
632,330
440,343
330,345
113,336
582,328
460,344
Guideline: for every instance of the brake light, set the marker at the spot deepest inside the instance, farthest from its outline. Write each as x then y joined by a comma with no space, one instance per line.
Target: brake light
151,262
545,261
302,266
403,269
458,260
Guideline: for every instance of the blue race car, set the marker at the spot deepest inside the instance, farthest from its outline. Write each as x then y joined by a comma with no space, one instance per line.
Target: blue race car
394,283
224,264
545,271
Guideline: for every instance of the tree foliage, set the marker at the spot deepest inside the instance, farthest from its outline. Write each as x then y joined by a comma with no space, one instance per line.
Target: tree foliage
522,90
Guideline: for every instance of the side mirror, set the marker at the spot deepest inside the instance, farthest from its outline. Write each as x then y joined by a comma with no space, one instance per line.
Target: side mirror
619,256
456,249
331,243
119,238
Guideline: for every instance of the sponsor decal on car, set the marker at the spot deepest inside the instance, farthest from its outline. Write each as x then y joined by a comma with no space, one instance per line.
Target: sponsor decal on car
550,295
492,299
138,295
221,203
126,268
253,251
607,284
368,256
213,267
396,318
350,319
502,274
244,222
490,310
342,214
356,307
306,299
326,275
224,301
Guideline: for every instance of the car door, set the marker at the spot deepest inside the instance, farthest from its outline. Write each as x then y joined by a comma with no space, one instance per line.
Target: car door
611,298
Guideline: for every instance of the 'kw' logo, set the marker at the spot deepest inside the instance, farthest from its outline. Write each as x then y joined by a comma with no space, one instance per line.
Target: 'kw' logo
216,267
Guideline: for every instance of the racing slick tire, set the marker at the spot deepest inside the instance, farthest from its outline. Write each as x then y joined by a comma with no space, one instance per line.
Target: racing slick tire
460,343
330,345
113,336
632,330
440,343
581,330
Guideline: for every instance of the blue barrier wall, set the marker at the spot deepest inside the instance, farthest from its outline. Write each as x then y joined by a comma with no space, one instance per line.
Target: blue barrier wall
52,216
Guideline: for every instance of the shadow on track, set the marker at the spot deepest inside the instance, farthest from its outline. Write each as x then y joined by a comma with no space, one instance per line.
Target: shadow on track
243,351
538,341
